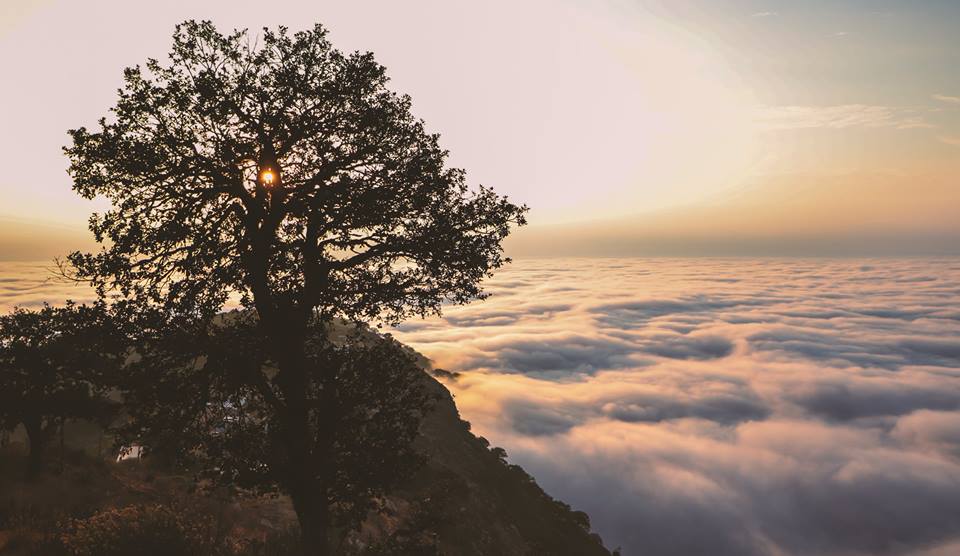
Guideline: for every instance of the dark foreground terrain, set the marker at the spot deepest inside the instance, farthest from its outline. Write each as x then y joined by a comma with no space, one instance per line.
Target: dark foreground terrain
467,500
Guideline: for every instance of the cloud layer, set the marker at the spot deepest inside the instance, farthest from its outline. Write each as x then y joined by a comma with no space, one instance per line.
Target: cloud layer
740,406
30,284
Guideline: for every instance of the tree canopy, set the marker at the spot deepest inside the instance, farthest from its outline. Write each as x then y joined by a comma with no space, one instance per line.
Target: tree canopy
285,171
57,363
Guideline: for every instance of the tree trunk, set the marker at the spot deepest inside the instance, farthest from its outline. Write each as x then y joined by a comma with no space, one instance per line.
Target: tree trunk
306,492
314,519
37,440
285,328
61,443
303,475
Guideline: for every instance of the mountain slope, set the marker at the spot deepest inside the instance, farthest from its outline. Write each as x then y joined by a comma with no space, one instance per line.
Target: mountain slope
477,504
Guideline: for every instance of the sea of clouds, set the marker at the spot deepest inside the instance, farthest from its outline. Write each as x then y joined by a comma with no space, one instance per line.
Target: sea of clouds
697,406
741,406
31,284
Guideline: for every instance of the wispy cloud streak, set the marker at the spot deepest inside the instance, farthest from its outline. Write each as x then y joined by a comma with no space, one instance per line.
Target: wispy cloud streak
947,98
952,140
841,116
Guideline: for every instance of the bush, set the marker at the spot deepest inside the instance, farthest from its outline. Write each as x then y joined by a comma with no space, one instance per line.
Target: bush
285,542
137,530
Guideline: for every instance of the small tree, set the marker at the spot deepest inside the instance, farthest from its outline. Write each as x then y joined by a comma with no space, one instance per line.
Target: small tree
287,173
55,364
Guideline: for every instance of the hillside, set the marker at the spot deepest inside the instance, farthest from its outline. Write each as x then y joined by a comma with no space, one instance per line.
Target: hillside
478,504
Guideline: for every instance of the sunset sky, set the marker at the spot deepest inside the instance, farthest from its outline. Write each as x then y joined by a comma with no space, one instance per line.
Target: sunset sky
753,402
629,127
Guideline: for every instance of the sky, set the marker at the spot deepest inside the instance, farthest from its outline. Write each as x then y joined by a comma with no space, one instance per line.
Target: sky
689,127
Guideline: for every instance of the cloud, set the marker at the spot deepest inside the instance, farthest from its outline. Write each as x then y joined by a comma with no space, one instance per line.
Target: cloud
843,116
782,406
676,346
949,140
878,349
947,98
554,356
505,317
725,407
764,14
771,487
843,400
538,420
632,314
932,431
30,284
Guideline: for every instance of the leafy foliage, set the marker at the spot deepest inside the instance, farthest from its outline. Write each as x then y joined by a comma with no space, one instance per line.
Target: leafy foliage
57,363
137,530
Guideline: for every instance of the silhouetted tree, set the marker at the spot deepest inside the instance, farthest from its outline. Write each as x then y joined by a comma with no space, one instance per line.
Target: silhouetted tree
55,364
286,173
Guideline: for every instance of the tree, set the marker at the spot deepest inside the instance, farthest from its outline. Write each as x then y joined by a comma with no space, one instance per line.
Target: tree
286,173
55,364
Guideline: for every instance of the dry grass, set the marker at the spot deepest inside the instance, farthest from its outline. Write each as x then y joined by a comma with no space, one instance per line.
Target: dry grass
36,514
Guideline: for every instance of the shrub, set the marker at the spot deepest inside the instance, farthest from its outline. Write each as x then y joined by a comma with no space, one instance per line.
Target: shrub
137,530
285,542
